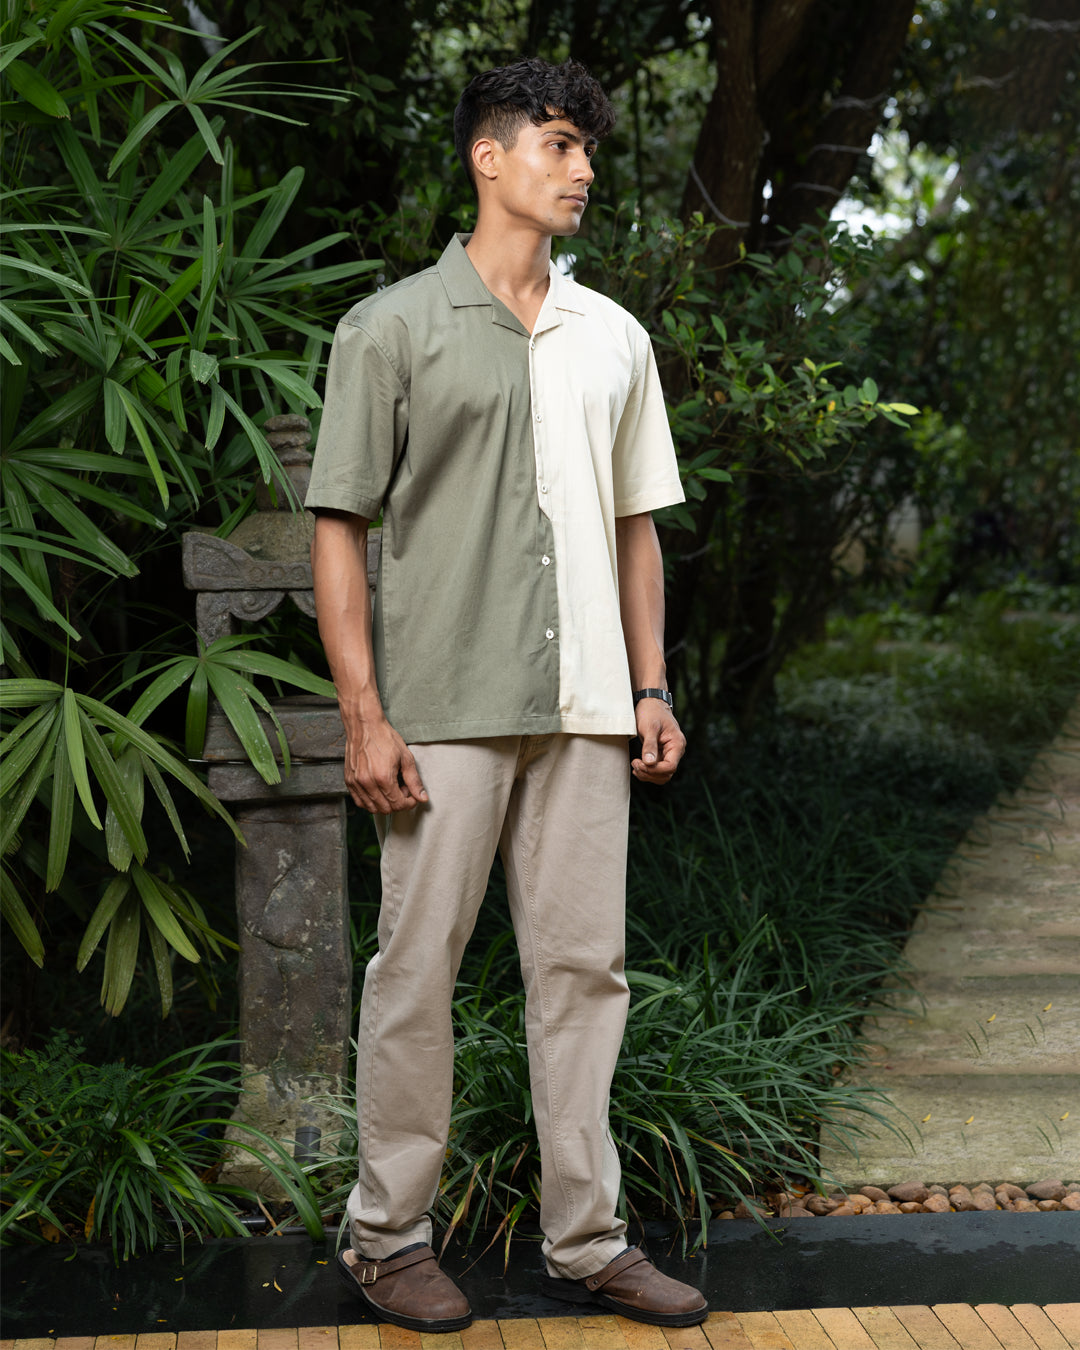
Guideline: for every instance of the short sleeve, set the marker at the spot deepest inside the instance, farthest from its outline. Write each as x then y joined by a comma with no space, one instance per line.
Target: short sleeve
364,426
645,470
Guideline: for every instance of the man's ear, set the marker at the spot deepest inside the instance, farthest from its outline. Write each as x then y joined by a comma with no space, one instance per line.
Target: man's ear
484,153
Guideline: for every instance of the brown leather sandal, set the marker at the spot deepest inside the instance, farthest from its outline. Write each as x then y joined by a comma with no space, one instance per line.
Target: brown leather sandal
632,1286
407,1289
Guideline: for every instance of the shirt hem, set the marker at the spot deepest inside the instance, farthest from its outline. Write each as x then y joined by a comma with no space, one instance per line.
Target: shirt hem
470,729
649,501
368,507
475,729
599,725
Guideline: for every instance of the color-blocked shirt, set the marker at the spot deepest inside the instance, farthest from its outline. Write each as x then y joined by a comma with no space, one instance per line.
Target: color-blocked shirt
499,460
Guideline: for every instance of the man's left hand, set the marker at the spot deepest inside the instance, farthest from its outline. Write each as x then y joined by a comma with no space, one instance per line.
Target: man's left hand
662,742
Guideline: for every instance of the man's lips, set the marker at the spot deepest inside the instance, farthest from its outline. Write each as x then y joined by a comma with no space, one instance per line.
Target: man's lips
577,197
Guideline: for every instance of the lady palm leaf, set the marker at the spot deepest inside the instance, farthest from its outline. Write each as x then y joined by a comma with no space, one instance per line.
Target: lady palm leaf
160,905
60,818
28,758
118,841
76,753
121,953
21,922
137,331
224,669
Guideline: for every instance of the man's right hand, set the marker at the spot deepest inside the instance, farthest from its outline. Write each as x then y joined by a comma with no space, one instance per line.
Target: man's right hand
380,771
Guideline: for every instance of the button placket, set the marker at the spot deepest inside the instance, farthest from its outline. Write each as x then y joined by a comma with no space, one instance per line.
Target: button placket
537,420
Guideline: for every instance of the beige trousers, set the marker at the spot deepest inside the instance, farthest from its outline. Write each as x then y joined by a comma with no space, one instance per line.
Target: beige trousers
556,808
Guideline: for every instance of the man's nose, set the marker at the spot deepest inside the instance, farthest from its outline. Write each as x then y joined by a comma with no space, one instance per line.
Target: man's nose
583,169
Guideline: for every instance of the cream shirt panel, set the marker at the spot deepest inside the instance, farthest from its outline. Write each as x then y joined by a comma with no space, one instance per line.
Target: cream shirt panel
603,449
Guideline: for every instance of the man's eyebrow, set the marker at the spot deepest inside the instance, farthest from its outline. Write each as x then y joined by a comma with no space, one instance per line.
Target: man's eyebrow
555,130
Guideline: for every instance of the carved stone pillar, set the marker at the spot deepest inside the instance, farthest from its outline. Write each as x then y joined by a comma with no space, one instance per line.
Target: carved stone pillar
291,892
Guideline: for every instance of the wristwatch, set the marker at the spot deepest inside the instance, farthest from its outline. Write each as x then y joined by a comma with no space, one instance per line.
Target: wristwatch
663,694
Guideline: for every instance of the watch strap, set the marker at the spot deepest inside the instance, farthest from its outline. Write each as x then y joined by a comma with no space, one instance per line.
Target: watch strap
663,694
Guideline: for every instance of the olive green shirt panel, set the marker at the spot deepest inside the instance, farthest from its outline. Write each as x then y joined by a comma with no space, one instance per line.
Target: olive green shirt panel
366,405
427,419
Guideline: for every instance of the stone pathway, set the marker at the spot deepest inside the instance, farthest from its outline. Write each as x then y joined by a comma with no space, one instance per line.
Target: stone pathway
980,1058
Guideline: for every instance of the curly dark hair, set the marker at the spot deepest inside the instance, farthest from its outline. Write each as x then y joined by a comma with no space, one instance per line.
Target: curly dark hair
500,102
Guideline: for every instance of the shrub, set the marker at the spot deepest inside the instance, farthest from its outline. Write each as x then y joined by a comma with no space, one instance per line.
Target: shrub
146,329
127,1155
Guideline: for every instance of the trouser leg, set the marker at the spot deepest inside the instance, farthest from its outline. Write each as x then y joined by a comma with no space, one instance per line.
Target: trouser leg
564,850
435,865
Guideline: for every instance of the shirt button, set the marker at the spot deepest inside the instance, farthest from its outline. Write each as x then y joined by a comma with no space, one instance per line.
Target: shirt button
550,633
543,487
539,418
532,346
545,560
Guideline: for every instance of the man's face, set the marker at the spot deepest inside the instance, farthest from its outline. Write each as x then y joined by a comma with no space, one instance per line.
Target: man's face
544,179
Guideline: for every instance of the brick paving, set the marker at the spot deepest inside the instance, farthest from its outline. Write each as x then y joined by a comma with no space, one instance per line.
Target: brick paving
945,1326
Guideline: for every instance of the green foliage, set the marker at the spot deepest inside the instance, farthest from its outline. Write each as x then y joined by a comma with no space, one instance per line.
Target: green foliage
126,1155
975,302
147,327
983,681
775,422
756,385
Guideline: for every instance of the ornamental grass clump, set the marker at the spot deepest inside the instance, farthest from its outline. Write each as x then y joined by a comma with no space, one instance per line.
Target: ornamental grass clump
128,1155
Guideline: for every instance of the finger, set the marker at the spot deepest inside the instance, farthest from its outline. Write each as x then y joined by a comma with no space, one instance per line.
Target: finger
396,796
372,790
650,750
368,800
411,780
669,758
662,769
648,773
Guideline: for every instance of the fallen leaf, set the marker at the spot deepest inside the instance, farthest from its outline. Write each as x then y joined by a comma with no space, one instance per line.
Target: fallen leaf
177,1279
1048,1007
266,1284
992,1017
277,1286
969,1120
1064,1117
321,1263
926,1117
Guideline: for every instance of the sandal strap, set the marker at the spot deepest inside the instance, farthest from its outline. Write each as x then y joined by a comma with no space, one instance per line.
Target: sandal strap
631,1257
368,1272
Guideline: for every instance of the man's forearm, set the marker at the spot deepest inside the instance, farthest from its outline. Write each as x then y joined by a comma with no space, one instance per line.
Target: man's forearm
641,600
343,610
379,768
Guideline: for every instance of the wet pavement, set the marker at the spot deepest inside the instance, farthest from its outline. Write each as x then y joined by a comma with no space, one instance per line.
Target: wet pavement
262,1282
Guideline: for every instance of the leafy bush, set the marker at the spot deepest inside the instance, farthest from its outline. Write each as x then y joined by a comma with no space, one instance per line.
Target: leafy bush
127,1155
147,329
776,419
990,682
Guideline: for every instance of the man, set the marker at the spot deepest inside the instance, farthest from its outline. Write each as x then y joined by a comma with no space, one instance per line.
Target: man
508,425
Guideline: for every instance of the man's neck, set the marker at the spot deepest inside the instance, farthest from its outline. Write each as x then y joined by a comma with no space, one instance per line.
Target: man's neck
513,265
